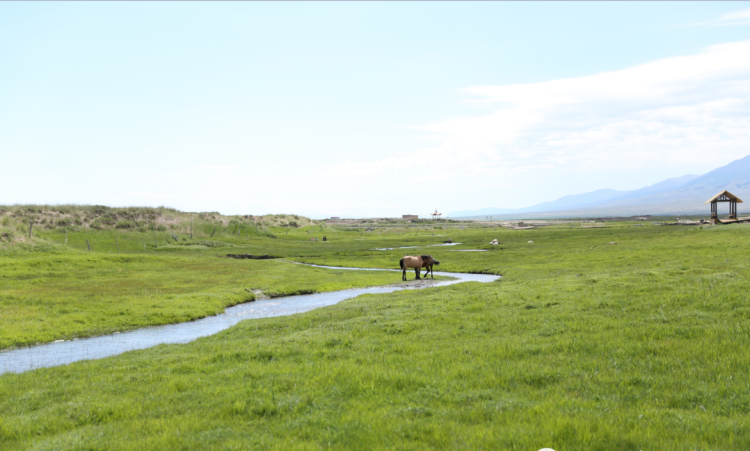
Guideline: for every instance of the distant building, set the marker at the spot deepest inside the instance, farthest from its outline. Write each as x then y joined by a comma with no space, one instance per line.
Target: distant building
335,217
409,216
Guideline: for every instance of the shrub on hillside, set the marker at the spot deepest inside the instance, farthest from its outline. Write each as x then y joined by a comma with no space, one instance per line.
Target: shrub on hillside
102,222
159,228
99,209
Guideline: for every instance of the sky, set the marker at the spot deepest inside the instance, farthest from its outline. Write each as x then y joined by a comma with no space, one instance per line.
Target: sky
364,109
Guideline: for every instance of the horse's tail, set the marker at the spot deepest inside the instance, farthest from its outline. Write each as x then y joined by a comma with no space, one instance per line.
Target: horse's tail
401,263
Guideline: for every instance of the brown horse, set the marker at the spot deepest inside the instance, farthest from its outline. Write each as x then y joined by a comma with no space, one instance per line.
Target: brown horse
422,261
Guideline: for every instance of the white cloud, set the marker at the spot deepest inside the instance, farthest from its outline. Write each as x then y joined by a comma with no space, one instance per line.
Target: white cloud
675,109
734,18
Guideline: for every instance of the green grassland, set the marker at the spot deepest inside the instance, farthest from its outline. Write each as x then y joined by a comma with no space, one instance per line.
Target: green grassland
581,345
48,298
52,290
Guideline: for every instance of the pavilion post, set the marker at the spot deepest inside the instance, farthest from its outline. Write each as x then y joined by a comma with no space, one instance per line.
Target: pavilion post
714,213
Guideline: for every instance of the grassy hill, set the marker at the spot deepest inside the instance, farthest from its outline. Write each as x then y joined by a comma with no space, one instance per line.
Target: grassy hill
17,220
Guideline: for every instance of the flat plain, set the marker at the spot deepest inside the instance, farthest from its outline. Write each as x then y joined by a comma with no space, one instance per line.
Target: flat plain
580,345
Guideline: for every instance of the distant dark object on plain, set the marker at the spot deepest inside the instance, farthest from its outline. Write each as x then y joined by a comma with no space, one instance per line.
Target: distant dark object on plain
251,256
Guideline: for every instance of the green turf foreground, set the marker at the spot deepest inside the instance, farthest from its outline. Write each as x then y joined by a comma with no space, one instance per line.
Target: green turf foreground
643,345
468,366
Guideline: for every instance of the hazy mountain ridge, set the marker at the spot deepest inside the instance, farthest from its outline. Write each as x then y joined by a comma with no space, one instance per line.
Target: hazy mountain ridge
678,195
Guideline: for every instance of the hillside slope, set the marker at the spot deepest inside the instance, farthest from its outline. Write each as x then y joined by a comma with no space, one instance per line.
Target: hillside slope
679,195
16,219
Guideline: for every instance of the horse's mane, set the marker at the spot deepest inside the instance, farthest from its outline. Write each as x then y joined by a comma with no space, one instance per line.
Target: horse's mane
425,257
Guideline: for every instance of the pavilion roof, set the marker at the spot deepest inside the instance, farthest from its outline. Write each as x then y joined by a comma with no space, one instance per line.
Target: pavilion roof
725,197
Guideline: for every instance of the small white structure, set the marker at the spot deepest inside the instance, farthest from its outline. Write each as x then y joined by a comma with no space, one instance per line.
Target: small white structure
531,242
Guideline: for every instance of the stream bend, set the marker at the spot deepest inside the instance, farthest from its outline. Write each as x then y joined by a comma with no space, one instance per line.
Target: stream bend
65,352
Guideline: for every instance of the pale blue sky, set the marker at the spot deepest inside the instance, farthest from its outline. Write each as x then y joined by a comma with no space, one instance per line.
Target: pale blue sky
364,109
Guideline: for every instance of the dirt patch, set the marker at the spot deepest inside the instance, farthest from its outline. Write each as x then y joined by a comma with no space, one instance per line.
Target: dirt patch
421,283
259,295
251,257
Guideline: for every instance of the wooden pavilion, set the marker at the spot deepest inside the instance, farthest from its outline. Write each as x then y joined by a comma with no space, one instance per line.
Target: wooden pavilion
436,215
724,196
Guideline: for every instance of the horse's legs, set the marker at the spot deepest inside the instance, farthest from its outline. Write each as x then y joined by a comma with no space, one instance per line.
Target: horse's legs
403,274
431,270
418,270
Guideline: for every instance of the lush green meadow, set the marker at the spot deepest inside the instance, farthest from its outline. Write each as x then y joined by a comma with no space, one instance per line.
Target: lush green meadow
53,288
581,345
75,295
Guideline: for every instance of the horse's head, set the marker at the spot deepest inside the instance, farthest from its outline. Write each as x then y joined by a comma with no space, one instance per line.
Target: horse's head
429,260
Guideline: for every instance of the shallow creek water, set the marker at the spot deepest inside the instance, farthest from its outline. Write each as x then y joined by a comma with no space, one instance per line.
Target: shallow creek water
64,352
413,247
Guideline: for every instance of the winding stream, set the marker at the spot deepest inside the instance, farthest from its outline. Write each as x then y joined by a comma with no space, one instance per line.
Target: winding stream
64,352
413,247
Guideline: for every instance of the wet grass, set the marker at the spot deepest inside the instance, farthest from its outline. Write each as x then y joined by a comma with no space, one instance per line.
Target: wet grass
581,345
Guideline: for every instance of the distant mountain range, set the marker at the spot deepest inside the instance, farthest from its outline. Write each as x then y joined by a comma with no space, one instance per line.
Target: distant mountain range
679,195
